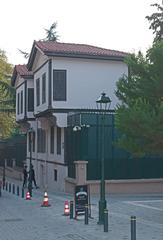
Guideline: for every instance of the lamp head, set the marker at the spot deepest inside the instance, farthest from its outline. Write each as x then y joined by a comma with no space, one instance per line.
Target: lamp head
103,102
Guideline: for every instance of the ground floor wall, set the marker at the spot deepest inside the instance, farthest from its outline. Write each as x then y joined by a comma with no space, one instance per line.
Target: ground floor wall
128,186
49,175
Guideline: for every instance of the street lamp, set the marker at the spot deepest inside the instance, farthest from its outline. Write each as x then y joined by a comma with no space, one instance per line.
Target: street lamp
30,131
103,104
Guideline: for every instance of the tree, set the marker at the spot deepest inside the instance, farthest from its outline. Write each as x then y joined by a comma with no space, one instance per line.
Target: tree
156,22
7,98
139,117
51,34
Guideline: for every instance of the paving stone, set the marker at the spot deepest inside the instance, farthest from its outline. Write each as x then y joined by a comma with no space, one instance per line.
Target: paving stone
22,220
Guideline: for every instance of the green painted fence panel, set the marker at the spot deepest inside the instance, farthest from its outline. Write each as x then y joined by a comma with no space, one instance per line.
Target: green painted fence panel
85,144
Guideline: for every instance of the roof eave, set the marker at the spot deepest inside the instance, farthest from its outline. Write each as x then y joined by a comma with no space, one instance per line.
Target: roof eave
86,56
32,56
27,76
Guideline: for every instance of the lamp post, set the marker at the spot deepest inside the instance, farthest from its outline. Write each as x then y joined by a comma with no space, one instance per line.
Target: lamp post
103,103
30,131
2,152
4,173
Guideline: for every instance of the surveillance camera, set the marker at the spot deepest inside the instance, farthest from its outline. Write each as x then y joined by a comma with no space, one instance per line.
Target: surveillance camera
76,128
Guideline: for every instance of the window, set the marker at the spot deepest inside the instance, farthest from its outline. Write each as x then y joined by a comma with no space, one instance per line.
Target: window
59,85
55,175
30,99
58,140
41,140
21,103
52,140
37,92
18,104
44,88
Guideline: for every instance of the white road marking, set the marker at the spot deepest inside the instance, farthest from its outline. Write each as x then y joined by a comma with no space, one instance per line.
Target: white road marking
139,204
160,200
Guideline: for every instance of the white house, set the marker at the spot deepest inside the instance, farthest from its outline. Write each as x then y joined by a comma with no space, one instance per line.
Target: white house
60,78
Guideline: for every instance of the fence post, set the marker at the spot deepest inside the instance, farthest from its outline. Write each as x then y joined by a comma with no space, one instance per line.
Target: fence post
133,228
71,210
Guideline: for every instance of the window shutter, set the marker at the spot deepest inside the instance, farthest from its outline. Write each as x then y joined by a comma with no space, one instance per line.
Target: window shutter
59,85
21,103
18,103
30,99
44,88
52,139
58,140
38,92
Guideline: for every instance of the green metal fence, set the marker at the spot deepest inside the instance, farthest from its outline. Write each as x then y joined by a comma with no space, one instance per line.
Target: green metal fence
85,144
15,148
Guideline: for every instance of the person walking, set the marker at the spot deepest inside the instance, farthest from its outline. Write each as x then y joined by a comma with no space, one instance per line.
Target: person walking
33,176
25,176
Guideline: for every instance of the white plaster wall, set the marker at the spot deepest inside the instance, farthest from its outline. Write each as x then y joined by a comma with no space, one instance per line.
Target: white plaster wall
45,163
61,119
58,185
86,79
30,83
37,75
19,81
40,59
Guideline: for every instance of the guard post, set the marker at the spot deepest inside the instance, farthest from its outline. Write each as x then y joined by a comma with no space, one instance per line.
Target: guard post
13,188
71,210
133,228
22,192
17,190
9,187
6,186
105,220
86,214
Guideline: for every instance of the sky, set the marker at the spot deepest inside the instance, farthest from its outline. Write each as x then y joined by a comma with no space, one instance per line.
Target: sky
111,24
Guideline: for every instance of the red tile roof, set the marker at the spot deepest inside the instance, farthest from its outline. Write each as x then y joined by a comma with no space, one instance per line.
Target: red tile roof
22,71
78,49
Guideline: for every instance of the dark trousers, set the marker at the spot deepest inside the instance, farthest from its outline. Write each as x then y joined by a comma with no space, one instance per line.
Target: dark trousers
25,182
33,180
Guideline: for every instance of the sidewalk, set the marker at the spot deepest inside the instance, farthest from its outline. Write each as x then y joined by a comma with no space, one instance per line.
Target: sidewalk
22,220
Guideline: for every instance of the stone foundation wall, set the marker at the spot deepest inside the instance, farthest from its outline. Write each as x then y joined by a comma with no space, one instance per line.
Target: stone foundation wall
120,186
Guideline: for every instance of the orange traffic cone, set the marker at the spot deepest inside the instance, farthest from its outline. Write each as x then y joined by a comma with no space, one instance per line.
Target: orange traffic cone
28,197
66,209
45,202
